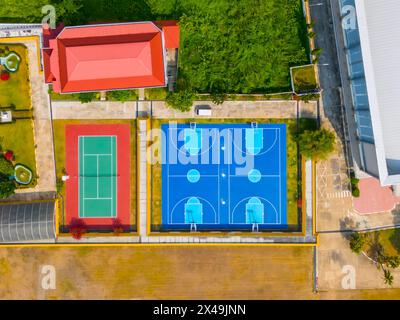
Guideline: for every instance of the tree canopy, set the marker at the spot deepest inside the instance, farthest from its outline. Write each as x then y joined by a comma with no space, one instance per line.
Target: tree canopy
240,46
317,144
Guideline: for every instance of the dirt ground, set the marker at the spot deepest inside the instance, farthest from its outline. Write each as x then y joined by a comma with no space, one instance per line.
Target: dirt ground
158,273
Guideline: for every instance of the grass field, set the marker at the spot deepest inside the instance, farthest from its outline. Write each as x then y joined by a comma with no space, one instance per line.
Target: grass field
292,170
59,142
18,137
304,79
159,273
16,91
390,241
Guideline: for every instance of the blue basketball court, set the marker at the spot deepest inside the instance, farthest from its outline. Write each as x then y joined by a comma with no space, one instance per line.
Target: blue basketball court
226,177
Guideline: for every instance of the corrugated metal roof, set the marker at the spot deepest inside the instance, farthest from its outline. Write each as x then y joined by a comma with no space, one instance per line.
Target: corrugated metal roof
27,221
379,27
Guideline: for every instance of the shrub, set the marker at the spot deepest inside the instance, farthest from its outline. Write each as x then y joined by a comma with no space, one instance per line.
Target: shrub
311,34
4,76
9,155
7,186
180,100
218,98
77,228
59,185
392,261
316,52
357,242
6,167
317,144
355,192
85,97
117,227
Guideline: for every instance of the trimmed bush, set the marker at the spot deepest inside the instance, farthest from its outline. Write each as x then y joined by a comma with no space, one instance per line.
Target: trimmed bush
355,192
6,167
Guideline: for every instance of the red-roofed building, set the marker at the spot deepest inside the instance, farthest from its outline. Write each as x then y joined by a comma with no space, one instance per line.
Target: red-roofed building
108,56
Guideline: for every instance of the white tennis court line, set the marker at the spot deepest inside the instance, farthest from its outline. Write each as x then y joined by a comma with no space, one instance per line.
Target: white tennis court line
97,155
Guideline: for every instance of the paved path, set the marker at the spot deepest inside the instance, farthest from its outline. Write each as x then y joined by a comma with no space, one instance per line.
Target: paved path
240,109
143,177
93,110
158,109
45,165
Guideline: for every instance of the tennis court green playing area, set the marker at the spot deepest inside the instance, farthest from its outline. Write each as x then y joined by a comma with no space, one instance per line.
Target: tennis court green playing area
97,176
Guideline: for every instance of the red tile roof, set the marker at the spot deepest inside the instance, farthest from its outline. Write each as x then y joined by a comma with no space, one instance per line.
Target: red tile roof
105,57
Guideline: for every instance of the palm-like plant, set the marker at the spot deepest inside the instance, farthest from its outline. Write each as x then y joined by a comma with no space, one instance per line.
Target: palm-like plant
388,277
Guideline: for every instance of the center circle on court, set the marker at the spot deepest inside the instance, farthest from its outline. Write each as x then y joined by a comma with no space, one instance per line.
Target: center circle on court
193,175
254,175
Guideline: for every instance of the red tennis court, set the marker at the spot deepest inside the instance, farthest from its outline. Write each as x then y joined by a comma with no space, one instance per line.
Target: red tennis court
96,193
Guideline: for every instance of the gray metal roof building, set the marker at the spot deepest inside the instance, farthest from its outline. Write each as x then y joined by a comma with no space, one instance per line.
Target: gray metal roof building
373,51
27,222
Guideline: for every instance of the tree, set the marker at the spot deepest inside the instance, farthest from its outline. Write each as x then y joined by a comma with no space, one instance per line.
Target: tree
388,277
6,167
218,98
181,100
7,186
317,144
357,242
85,97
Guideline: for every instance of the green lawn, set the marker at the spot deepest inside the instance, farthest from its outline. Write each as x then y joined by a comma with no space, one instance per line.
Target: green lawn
67,96
59,143
304,79
390,241
155,93
18,137
293,184
16,91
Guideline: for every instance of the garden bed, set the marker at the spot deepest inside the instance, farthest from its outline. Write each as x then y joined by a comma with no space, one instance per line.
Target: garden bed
15,92
18,137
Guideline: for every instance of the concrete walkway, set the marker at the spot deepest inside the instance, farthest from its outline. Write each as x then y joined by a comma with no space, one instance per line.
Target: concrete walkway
158,109
143,178
45,165
93,110
240,109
